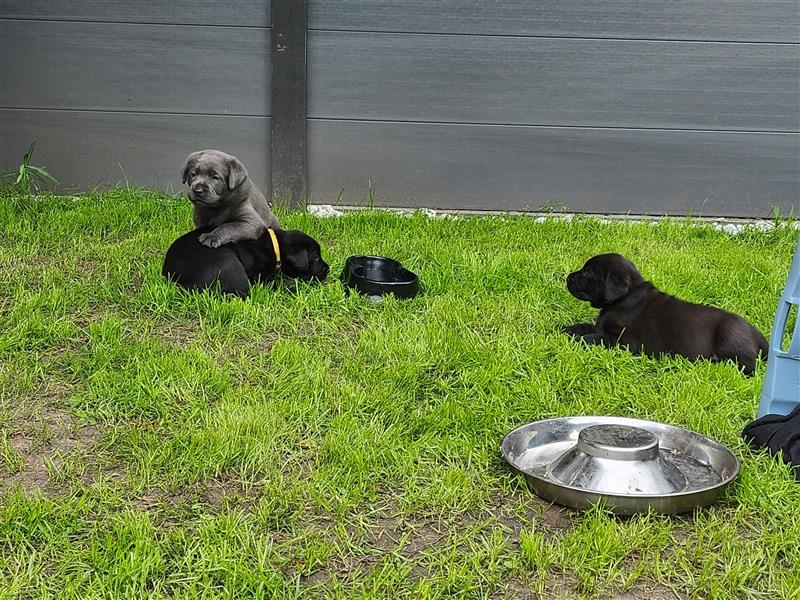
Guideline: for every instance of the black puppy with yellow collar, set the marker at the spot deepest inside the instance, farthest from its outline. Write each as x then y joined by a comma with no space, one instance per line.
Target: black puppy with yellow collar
233,267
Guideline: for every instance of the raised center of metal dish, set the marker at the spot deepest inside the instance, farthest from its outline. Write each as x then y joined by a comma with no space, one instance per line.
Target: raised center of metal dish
613,458
620,442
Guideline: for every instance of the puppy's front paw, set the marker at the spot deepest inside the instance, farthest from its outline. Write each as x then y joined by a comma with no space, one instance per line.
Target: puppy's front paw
579,329
210,239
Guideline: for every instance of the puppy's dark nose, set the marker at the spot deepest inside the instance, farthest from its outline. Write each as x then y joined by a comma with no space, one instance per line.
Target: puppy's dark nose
199,189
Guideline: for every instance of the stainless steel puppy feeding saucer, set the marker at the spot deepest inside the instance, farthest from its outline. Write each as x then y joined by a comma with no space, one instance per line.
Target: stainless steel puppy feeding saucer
630,465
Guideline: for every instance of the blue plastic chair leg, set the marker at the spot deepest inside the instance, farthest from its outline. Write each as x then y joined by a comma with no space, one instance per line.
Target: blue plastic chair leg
781,392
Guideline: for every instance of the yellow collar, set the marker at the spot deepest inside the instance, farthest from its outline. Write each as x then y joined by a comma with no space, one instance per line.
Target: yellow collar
275,247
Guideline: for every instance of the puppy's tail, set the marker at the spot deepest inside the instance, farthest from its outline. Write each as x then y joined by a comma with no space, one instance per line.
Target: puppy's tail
735,339
763,347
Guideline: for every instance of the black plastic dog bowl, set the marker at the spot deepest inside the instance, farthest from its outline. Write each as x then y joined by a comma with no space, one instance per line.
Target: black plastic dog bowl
378,276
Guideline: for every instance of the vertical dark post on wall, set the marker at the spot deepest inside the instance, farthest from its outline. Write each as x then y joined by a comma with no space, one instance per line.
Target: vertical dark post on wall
288,143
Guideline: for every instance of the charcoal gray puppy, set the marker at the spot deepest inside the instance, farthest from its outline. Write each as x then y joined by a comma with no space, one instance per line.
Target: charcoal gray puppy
235,266
224,199
635,314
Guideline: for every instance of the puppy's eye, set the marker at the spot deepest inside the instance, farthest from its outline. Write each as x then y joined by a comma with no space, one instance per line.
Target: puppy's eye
214,176
193,173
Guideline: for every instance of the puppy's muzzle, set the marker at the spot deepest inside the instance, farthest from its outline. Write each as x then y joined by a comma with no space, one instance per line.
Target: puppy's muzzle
319,274
576,285
572,281
199,193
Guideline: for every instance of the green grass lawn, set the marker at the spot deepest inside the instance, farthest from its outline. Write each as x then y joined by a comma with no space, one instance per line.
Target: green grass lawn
308,444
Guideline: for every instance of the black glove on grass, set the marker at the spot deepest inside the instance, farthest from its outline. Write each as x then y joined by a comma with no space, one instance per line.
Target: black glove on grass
779,434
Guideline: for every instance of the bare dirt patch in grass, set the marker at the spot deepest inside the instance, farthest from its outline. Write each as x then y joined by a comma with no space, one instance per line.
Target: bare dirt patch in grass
214,495
562,586
178,333
386,533
43,439
655,592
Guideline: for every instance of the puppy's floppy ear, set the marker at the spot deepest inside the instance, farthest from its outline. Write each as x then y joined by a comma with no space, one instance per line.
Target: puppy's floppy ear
189,165
236,173
615,286
299,258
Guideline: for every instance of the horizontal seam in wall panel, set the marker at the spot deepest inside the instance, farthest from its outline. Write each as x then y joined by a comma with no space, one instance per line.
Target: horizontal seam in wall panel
132,112
14,20
551,126
557,37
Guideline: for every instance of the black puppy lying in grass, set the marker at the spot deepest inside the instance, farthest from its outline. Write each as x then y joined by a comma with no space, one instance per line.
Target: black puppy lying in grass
233,267
635,314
